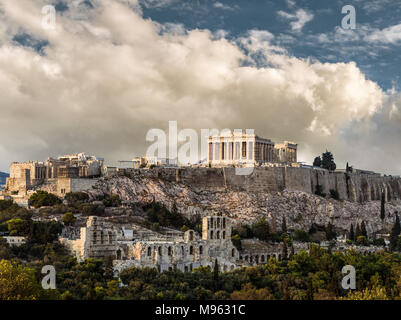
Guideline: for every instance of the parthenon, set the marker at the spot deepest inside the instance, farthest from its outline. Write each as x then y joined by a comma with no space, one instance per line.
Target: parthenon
244,148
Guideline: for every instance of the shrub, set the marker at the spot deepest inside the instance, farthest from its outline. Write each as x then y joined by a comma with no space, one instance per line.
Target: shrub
334,194
112,200
76,197
301,235
5,204
236,240
319,191
43,198
362,241
379,242
69,218
91,210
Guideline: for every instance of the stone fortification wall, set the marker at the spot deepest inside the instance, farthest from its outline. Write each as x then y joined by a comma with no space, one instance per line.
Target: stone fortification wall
356,187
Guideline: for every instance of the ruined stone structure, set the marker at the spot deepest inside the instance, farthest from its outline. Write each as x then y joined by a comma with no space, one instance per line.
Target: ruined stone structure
97,240
59,173
239,148
139,248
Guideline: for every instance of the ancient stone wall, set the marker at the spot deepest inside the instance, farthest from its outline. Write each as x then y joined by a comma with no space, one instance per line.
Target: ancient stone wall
356,187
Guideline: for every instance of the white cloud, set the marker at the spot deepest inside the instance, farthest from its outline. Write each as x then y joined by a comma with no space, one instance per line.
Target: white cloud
290,3
301,18
388,35
104,82
220,5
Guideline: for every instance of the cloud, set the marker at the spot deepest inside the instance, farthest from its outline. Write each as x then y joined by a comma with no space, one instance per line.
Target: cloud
104,81
290,3
301,18
222,6
388,35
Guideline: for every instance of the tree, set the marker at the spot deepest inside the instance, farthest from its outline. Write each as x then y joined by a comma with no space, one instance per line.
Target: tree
18,282
43,198
364,233
317,162
284,226
69,218
397,227
236,240
357,231
382,206
285,250
328,161
394,235
261,229
301,235
18,227
76,197
351,233
112,200
108,267
330,232
216,271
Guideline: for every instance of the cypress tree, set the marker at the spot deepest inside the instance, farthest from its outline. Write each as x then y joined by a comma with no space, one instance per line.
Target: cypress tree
357,231
397,227
216,270
382,207
292,252
351,233
285,250
363,230
284,226
395,232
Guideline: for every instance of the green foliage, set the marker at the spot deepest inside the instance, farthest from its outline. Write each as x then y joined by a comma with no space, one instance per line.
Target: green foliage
301,235
261,230
112,200
236,240
18,282
244,231
379,242
314,275
43,198
352,233
328,161
317,162
364,233
394,235
362,241
69,218
284,226
5,204
330,232
158,213
382,206
88,209
76,197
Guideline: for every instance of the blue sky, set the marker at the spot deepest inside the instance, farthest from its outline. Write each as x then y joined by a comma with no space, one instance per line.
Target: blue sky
379,61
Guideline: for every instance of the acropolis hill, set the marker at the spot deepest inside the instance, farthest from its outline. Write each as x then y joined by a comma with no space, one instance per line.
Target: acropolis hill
276,187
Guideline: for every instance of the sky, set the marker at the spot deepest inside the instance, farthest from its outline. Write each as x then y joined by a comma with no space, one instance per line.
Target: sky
111,70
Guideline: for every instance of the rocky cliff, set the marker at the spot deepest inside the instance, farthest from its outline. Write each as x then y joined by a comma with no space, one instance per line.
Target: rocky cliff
269,193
